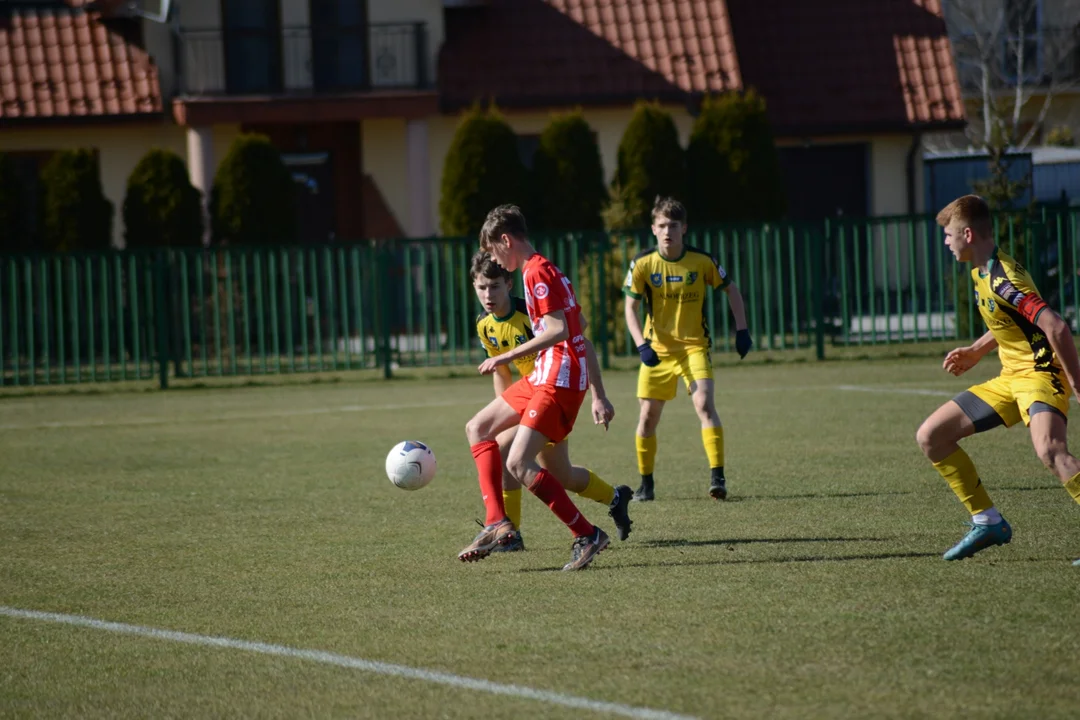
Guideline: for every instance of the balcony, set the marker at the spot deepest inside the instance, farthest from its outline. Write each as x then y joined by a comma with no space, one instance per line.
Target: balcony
302,60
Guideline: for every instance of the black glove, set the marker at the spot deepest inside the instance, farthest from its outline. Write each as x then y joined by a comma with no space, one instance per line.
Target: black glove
648,355
743,343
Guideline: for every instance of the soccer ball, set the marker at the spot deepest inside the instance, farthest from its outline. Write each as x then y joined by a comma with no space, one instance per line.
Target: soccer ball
410,465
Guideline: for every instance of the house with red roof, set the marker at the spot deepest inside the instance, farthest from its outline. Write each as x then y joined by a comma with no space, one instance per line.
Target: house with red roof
362,97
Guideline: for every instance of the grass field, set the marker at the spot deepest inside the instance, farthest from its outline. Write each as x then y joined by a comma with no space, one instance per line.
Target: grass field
263,514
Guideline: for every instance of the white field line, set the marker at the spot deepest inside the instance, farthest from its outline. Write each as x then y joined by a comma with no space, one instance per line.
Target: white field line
228,417
897,391
370,666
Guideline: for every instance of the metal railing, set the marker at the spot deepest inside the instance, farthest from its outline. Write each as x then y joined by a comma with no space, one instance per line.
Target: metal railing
302,59
377,305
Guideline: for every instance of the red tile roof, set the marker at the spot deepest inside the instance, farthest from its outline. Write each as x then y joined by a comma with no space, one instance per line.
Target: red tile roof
822,65
62,62
832,65
537,52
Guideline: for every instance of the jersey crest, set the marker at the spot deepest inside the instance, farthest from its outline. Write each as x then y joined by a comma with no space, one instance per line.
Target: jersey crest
691,277
657,279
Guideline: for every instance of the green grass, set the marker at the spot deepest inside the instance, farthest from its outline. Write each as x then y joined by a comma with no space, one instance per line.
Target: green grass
263,514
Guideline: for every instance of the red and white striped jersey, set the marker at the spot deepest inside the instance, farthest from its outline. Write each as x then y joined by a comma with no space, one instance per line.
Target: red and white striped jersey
547,290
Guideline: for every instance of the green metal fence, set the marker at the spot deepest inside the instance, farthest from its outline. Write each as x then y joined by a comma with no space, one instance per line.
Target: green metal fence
378,305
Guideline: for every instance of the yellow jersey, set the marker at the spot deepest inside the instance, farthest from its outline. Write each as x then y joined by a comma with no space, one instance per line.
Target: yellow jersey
1010,306
500,334
674,296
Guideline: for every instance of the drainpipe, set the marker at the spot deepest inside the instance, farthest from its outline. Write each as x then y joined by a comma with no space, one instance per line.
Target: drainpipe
916,144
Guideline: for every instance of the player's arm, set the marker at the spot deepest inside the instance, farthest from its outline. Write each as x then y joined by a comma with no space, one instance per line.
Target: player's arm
501,379
1061,341
555,331
602,409
743,342
633,321
738,308
962,359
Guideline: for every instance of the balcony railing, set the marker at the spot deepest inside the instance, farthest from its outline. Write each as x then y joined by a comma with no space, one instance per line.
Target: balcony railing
306,59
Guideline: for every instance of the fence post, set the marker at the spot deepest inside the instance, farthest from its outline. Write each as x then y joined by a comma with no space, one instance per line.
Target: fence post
599,284
161,274
382,261
817,255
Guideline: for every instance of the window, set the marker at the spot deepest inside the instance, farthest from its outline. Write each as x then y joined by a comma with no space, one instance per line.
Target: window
252,46
339,44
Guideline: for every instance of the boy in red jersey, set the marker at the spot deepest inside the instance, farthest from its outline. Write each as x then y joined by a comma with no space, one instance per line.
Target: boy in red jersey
545,404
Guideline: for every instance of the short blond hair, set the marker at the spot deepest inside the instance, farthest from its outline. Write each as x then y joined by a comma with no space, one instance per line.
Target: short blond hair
969,211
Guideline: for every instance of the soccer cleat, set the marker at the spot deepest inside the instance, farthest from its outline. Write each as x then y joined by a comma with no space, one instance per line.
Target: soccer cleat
618,510
978,538
718,488
585,549
644,493
490,537
515,544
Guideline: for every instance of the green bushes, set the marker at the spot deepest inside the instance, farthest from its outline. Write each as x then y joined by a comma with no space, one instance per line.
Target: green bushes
76,215
161,207
483,168
252,201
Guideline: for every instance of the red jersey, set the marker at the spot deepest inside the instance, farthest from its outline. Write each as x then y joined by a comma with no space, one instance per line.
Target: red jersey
547,290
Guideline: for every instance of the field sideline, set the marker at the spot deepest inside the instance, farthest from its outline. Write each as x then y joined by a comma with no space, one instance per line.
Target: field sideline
268,568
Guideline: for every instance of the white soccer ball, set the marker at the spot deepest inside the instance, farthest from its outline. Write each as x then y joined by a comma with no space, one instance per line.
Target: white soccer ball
410,465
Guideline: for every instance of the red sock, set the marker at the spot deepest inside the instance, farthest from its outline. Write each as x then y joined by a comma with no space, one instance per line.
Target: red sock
548,489
489,467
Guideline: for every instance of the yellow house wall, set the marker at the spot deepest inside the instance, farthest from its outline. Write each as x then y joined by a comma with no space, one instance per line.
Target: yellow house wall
119,150
384,153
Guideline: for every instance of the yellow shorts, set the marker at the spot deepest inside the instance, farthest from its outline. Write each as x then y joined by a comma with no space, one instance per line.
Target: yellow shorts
1011,396
662,382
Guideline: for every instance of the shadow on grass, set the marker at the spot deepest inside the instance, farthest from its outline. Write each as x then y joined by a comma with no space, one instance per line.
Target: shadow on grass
824,495
794,496
755,561
679,542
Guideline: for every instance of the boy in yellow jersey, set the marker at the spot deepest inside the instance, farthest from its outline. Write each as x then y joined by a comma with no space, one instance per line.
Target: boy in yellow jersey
1039,371
671,279
503,326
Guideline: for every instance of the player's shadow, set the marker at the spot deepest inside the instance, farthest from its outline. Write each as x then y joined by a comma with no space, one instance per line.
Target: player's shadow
752,561
822,495
682,542
1030,488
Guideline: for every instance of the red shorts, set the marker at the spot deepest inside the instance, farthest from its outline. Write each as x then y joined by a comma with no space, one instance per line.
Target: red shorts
546,409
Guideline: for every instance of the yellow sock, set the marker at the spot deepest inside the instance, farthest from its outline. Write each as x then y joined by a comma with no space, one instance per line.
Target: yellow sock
512,505
646,454
713,439
1073,486
960,473
598,490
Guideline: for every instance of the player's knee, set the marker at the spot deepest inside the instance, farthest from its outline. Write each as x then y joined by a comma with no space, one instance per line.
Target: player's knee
475,430
516,465
704,406
927,437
